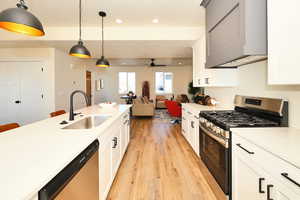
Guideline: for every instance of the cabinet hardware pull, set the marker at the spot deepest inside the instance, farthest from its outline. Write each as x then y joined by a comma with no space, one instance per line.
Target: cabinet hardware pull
260,185
286,175
189,112
183,118
250,152
269,192
192,124
115,140
196,117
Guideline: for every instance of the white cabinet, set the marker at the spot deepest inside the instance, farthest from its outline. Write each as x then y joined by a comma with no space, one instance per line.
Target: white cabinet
203,77
111,152
257,174
190,127
283,42
116,151
125,133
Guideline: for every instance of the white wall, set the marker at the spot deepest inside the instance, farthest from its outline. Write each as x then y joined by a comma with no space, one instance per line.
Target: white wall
69,76
253,82
181,77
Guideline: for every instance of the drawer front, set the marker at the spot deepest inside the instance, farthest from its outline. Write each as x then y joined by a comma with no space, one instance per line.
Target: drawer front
283,172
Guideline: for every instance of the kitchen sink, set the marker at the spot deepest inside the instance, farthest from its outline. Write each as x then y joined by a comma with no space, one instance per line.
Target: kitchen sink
88,122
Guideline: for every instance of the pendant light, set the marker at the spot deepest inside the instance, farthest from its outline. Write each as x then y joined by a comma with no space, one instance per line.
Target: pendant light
19,20
102,62
79,50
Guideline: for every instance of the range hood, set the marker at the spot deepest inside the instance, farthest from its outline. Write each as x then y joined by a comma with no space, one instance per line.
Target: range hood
236,32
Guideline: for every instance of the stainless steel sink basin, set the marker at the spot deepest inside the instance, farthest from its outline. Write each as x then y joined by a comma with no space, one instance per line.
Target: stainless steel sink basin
88,122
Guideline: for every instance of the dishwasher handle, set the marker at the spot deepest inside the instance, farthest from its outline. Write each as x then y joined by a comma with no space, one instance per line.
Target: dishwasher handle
49,191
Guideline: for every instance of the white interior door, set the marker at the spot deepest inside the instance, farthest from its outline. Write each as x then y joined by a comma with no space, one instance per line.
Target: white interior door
23,82
9,87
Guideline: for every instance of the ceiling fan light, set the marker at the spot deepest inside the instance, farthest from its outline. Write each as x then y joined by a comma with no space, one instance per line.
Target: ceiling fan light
80,51
19,20
102,62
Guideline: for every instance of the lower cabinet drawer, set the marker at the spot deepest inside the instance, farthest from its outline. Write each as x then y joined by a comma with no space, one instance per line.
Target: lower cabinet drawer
286,174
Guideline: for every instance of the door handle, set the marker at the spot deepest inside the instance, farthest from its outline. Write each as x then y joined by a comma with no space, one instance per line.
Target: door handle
286,175
260,185
250,152
18,102
269,191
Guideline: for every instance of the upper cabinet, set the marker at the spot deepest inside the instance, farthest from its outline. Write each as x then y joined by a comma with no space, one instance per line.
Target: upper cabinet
283,42
203,77
236,32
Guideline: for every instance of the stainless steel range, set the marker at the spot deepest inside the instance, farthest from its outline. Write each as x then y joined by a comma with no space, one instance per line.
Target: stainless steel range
215,134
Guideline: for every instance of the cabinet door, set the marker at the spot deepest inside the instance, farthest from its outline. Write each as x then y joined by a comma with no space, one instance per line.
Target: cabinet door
105,175
283,42
116,152
245,180
196,136
123,136
199,59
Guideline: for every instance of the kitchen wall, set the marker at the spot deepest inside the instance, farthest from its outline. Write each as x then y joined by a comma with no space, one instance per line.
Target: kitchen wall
253,82
181,77
69,76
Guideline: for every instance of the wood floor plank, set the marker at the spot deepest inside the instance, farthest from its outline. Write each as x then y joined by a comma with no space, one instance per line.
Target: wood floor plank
160,165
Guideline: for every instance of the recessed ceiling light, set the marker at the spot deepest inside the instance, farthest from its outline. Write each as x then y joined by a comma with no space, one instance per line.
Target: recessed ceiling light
180,63
155,21
119,21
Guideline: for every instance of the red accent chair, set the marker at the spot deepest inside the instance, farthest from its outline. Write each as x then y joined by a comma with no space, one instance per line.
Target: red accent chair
174,110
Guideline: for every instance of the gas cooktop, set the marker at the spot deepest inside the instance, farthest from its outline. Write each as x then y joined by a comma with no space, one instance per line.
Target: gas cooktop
233,119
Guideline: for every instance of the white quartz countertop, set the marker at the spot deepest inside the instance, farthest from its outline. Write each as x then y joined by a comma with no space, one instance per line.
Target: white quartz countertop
32,155
281,142
198,108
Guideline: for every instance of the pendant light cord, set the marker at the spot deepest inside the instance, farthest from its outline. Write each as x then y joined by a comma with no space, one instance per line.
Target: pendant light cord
102,38
80,8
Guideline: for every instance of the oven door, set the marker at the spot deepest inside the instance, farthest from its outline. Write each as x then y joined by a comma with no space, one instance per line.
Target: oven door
215,155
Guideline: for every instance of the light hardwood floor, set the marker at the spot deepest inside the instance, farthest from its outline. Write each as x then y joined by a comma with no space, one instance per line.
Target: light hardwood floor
160,165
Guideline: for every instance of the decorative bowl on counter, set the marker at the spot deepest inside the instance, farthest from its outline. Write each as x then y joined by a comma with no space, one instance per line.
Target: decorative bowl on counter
107,104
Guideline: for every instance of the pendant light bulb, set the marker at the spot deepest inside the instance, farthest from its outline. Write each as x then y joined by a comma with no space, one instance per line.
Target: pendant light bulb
102,62
19,20
79,50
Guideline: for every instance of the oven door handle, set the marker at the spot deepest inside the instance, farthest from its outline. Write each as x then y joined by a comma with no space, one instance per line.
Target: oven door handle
249,152
220,141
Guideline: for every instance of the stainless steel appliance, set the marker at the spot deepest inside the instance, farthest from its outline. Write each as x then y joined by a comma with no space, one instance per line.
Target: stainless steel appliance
78,180
215,134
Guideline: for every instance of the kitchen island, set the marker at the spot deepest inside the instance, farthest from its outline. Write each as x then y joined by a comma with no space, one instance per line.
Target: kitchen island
32,155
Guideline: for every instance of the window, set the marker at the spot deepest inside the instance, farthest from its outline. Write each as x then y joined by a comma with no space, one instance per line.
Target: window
164,82
126,82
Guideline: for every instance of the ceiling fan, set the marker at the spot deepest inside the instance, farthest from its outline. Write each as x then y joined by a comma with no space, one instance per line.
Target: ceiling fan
152,64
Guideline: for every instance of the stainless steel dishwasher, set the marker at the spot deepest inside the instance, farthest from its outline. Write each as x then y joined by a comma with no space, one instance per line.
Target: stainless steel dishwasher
79,180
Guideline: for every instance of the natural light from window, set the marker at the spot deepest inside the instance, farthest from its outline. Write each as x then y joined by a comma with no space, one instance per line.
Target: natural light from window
126,82
163,82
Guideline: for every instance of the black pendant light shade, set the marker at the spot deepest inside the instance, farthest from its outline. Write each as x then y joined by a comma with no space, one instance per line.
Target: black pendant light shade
102,62
79,50
19,20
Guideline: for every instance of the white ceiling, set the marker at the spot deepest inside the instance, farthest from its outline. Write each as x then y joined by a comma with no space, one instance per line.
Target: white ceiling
171,13
117,49
134,13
